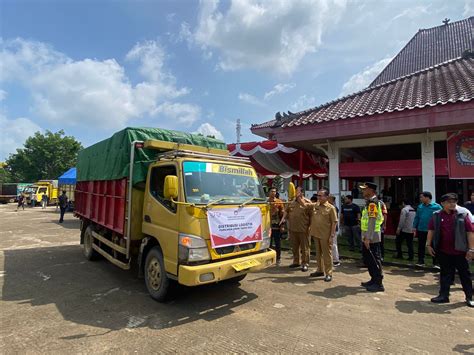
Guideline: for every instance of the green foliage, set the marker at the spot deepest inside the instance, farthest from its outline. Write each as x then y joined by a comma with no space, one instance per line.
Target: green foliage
44,156
5,175
278,183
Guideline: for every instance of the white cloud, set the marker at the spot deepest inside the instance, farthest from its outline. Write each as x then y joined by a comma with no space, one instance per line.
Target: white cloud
468,8
268,35
170,17
90,91
363,78
250,99
207,129
413,12
183,113
304,102
14,133
278,89
3,95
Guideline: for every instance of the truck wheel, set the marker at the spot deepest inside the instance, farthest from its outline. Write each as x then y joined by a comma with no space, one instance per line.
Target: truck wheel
87,250
156,281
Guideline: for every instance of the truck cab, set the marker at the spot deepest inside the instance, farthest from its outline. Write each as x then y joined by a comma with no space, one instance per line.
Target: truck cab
38,189
181,192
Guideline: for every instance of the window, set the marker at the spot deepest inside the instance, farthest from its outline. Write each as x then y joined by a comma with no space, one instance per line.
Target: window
157,184
208,181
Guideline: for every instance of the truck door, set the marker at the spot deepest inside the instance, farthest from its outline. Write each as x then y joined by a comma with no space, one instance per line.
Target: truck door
160,217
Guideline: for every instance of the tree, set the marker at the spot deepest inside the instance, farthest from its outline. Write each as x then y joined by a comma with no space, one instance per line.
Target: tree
44,156
4,174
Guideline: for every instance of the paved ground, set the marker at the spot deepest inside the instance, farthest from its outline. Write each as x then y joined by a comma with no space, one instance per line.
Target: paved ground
53,301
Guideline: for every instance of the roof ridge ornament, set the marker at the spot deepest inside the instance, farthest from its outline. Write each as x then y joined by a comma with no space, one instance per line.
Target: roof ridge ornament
446,20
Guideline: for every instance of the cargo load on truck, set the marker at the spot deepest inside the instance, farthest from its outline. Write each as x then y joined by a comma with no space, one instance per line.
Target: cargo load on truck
8,192
155,197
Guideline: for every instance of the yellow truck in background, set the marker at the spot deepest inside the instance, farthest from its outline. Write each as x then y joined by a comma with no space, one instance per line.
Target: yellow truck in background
184,213
35,192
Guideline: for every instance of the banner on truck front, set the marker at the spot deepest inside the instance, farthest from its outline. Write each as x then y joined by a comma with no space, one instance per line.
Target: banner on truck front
234,226
461,155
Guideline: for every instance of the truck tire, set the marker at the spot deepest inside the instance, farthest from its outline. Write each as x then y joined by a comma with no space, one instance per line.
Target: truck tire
156,280
87,250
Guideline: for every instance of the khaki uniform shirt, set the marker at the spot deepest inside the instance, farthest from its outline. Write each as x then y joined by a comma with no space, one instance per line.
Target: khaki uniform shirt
298,217
322,219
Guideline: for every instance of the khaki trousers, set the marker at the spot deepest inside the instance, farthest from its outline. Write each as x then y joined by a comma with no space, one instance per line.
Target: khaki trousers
300,243
323,255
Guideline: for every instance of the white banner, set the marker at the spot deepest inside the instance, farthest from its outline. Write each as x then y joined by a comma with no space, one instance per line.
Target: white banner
234,226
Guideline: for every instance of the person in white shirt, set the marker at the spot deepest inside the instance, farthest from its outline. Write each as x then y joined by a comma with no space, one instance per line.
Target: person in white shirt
405,230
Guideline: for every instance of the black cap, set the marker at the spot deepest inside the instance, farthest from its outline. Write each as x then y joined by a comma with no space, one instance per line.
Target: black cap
369,185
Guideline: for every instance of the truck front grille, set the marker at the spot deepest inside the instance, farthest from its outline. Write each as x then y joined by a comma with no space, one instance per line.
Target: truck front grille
235,248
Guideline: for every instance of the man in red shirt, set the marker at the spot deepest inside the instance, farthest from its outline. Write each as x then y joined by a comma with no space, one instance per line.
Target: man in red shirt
451,239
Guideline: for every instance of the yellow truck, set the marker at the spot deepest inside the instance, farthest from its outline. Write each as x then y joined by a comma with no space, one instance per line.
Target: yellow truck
176,204
35,192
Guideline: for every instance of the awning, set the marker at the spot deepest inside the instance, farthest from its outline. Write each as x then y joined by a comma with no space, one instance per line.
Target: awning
269,158
68,178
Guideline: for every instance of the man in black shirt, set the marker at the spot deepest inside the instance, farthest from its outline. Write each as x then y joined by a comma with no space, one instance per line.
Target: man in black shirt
62,206
349,219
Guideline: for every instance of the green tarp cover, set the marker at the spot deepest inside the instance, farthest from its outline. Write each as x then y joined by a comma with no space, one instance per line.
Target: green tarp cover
109,159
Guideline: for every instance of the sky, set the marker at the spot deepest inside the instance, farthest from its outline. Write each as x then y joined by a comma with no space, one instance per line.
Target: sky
92,68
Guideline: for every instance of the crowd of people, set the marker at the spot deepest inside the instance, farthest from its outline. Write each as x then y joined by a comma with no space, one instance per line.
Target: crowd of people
63,203
444,231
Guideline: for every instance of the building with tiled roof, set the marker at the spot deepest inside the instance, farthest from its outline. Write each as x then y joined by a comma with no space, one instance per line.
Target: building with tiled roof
430,47
445,83
411,130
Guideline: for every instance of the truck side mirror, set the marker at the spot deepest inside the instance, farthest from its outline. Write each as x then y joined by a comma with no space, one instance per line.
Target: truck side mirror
171,187
291,191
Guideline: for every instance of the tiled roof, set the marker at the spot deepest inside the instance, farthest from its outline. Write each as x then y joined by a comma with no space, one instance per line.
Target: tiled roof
430,47
452,81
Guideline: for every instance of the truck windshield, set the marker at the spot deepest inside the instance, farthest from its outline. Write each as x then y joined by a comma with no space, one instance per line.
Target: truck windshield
30,190
205,182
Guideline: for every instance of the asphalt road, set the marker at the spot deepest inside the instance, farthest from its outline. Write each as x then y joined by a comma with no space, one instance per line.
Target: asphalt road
54,301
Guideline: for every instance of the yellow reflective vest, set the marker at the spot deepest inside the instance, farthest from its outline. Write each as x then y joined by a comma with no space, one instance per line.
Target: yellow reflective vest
371,211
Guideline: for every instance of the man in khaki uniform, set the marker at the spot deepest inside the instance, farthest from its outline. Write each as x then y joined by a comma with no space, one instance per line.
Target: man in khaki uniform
298,215
323,231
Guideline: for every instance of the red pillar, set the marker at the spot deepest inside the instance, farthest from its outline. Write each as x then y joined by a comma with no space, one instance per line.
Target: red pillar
301,169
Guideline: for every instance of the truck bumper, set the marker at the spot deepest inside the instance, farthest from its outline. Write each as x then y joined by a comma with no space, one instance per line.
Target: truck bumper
223,270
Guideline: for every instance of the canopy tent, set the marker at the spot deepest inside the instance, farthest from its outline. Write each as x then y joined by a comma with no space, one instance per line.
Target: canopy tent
269,158
68,178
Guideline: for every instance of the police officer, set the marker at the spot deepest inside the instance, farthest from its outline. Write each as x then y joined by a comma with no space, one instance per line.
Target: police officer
370,224
298,216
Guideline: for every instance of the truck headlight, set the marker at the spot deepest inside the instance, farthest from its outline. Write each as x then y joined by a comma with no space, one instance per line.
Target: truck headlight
192,248
265,243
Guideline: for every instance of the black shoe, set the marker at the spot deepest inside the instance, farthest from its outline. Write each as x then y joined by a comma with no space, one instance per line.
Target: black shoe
328,278
470,303
337,263
304,268
440,299
367,284
375,287
316,274
294,265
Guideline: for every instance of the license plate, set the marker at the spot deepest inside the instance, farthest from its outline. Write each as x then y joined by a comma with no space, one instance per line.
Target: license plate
245,265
